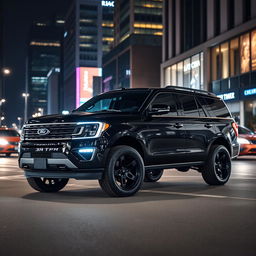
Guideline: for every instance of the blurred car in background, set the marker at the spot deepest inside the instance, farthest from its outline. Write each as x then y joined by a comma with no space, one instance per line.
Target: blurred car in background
247,140
9,141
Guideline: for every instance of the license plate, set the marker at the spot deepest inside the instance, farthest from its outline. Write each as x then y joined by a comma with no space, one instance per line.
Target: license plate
49,150
40,163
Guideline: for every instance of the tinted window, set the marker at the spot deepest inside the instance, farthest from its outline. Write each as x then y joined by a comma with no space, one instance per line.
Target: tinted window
9,133
167,99
188,105
214,106
121,101
245,131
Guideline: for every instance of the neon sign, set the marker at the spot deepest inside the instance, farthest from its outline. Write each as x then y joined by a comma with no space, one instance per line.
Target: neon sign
108,3
227,96
249,92
84,83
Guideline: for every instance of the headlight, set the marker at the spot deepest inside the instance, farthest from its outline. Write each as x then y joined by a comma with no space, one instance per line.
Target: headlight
243,141
89,130
3,142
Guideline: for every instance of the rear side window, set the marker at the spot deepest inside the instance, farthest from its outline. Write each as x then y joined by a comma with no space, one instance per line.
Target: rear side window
188,105
214,106
166,99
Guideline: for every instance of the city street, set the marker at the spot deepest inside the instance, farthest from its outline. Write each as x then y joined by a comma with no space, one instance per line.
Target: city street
179,215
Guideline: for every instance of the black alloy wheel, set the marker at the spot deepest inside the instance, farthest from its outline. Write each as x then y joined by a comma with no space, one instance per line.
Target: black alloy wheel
218,166
153,175
48,185
124,172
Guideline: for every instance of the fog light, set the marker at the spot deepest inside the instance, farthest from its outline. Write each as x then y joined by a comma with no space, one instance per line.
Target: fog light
86,153
86,150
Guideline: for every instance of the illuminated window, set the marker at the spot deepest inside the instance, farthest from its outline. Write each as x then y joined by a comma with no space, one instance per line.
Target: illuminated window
167,76
53,44
195,72
245,53
186,69
224,60
173,75
253,51
215,63
234,57
180,74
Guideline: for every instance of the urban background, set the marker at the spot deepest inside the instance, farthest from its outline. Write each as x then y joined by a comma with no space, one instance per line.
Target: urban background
81,48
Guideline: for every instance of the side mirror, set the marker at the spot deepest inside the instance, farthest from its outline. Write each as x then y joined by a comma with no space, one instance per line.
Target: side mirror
159,109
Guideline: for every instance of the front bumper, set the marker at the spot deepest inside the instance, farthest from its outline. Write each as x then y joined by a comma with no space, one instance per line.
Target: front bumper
247,149
9,149
62,160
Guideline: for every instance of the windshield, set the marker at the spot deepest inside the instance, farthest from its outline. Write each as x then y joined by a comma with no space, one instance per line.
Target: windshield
245,131
123,101
9,133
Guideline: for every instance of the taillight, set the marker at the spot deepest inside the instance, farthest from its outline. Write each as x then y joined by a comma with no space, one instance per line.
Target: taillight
235,127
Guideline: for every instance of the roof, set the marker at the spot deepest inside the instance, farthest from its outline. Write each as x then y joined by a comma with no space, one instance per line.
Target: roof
173,88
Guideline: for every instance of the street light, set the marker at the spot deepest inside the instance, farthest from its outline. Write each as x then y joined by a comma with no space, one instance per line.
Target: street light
25,95
1,102
6,71
1,119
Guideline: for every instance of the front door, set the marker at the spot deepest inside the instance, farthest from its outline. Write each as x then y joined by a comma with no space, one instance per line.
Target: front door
165,134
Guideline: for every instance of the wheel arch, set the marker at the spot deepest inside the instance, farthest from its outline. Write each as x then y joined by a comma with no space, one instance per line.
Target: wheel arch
132,142
222,141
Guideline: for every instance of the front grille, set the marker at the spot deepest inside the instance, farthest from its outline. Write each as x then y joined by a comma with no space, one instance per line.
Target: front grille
62,131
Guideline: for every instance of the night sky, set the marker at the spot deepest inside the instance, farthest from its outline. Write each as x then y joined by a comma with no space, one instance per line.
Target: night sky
18,17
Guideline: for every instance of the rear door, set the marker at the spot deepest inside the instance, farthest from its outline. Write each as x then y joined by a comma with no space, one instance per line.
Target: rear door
199,130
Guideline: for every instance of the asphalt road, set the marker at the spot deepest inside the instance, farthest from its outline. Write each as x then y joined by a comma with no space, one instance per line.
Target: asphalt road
179,215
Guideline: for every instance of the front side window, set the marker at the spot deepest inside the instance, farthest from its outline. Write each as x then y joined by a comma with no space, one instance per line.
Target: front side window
166,99
188,105
123,101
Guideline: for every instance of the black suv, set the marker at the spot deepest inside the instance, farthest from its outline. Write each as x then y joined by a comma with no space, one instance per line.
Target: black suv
128,136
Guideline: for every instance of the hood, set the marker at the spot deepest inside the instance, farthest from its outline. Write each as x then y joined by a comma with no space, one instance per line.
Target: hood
82,117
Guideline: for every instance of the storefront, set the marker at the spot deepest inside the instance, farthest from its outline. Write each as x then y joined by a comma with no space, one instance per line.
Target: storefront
187,73
242,105
233,73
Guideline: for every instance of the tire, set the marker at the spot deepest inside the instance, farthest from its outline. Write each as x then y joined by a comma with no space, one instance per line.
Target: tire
153,175
8,154
124,172
183,169
47,185
217,169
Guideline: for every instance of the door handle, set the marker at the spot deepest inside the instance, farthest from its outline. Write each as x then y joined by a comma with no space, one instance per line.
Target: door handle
178,125
208,125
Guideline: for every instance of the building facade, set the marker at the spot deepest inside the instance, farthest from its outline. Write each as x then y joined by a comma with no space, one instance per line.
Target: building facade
135,58
54,92
88,35
45,53
211,45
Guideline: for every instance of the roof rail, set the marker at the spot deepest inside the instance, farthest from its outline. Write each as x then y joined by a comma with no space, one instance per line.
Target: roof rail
189,90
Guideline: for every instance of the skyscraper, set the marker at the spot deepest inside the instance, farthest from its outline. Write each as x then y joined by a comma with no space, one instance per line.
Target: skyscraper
44,54
83,51
136,56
